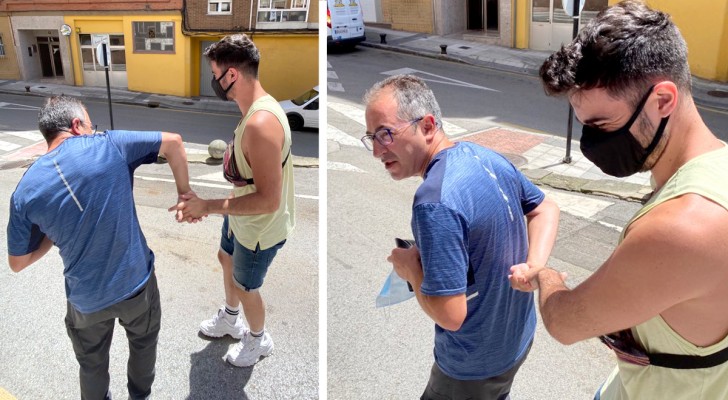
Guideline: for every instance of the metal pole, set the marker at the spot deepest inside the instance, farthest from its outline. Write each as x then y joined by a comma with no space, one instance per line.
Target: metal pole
570,124
108,86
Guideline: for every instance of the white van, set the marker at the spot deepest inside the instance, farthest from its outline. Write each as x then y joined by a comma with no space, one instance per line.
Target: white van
344,22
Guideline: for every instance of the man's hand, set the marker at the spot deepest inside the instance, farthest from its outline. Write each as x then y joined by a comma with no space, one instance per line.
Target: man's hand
524,277
407,264
189,208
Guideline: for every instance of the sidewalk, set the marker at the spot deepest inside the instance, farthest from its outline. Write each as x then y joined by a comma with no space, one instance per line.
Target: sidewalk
539,156
195,152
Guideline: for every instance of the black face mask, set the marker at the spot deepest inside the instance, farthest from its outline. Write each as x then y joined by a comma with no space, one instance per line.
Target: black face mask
618,153
217,88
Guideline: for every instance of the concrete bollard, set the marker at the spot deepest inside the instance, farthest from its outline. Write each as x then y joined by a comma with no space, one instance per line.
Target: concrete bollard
443,49
383,38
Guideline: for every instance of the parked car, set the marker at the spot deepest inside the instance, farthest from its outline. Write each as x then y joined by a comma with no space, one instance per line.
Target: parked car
302,111
344,22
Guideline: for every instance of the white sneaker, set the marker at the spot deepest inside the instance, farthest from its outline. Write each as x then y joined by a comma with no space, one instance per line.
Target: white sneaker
219,326
247,352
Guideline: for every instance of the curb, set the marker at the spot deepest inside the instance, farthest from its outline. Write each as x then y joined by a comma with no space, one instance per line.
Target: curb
602,187
447,57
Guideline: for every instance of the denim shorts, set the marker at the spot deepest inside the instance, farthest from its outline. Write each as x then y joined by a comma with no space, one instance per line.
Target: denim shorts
249,266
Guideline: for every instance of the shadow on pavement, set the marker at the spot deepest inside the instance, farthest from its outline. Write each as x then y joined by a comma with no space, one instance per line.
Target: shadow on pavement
212,378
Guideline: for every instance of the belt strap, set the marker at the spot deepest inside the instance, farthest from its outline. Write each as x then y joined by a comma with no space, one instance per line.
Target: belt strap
250,181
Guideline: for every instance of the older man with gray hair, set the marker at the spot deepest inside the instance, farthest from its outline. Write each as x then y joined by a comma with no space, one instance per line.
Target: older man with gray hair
469,228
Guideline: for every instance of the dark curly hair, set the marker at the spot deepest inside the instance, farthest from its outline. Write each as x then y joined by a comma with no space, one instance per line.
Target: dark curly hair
623,50
235,51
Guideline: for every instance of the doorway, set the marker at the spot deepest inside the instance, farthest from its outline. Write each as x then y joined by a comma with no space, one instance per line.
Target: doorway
49,51
475,15
482,15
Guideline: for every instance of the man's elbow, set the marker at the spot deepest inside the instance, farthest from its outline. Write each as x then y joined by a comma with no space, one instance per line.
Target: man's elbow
451,325
557,332
16,264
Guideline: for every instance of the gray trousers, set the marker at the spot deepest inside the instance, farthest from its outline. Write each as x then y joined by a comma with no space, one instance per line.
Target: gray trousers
443,387
91,338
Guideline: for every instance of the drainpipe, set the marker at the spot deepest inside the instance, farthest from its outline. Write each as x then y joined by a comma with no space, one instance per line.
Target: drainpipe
513,25
250,22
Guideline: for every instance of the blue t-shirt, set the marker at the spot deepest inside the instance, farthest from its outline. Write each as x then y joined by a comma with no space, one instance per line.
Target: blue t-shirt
80,196
468,222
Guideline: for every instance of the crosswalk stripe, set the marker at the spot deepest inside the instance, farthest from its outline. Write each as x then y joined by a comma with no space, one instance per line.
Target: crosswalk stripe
7,146
340,137
215,177
331,75
578,206
28,135
340,166
358,115
335,87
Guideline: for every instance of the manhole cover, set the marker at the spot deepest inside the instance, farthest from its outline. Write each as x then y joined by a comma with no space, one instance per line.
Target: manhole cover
464,47
515,159
718,93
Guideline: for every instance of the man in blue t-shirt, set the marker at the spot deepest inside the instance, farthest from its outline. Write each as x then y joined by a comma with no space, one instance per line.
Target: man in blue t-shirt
79,197
469,229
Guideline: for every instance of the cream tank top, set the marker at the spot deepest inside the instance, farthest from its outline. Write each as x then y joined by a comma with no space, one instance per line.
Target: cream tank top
265,229
707,176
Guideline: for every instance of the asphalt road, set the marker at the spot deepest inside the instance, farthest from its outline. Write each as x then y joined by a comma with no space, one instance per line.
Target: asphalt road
36,358
20,113
472,96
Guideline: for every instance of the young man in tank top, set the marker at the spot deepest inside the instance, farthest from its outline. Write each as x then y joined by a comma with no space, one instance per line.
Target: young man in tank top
259,215
662,289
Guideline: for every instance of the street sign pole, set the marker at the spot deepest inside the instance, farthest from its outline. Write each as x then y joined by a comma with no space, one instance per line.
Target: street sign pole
108,86
570,124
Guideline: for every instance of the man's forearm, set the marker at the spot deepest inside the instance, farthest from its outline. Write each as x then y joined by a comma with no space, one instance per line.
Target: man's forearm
553,306
178,164
19,263
250,204
542,229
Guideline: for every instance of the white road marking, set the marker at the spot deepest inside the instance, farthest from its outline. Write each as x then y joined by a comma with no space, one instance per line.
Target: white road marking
331,75
441,79
342,138
18,107
7,146
28,135
335,86
578,206
357,115
340,166
210,185
215,177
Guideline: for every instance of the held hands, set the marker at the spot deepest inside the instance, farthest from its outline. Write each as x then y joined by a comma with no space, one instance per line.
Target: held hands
524,277
189,208
407,264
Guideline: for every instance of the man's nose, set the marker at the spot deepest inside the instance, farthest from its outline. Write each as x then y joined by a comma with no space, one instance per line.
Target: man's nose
378,149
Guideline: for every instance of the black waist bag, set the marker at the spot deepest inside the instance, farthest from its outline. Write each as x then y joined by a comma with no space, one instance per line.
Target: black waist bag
627,349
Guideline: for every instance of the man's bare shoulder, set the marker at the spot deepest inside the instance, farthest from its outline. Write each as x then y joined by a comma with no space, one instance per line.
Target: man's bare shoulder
689,226
263,123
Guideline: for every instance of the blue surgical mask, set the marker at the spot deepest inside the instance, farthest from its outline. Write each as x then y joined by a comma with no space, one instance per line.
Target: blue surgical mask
618,153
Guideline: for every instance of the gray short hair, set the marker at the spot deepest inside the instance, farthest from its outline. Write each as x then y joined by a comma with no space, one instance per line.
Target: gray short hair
57,115
414,98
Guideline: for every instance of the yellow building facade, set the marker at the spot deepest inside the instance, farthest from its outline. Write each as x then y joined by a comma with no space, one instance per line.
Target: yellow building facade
703,23
288,63
162,67
9,68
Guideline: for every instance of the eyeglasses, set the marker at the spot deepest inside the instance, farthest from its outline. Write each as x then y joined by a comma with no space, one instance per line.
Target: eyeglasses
384,136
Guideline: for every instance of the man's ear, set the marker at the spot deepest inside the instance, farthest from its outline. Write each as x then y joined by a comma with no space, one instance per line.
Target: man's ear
428,125
668,96
76,126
